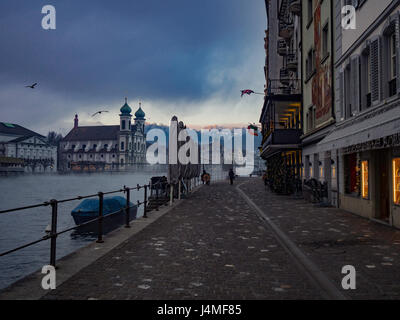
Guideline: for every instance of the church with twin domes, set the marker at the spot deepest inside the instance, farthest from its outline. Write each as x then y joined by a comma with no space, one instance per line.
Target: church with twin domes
105,148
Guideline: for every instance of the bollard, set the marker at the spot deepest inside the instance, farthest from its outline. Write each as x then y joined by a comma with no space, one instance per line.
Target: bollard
53,235
128,207
145,202
100,232
179,190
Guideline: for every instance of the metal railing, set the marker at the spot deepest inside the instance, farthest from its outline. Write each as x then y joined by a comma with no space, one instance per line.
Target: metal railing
54,204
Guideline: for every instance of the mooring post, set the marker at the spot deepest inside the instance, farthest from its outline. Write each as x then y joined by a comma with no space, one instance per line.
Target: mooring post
128,207
100,231
53,235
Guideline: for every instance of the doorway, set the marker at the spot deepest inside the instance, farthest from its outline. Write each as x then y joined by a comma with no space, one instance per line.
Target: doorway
383,194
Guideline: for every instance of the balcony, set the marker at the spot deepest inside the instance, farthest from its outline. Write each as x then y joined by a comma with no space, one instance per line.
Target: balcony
284,76
292,62
286,29
275,87
295,7
282,47
281,140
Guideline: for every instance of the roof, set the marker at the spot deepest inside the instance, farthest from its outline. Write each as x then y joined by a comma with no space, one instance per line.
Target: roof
17,130
140,114
93,133
126,109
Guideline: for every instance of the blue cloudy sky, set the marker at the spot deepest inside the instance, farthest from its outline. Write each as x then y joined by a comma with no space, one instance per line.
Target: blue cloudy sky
183,57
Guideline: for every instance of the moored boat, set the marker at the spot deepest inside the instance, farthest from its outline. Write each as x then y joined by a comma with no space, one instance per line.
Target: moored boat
113,207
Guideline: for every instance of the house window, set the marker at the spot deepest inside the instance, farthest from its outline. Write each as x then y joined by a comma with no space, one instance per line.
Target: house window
310,63
365,179
393,65
325,41
368,80
310,10
106,146
396,181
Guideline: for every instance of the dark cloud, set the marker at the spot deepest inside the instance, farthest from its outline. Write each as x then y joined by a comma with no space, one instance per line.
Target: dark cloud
101,50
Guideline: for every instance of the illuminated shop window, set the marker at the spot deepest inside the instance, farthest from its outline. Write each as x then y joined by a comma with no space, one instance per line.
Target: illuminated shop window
364,179
396,181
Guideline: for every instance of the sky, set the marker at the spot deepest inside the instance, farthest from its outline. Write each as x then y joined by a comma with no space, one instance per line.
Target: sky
187,58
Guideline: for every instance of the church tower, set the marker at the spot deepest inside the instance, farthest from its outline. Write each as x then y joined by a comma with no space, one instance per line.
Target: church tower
140,137
140,118
125,137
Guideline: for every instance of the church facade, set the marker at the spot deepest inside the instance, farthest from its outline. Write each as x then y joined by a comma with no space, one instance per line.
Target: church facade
105,148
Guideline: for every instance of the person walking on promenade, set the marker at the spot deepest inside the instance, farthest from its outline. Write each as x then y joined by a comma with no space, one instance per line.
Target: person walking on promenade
231,176
205,178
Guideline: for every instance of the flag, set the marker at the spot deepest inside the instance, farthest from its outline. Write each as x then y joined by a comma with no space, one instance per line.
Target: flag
253,130
249,92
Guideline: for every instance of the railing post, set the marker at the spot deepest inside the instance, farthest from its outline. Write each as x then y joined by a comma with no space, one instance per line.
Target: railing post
145,202
128,207
53,235
100,232
171,194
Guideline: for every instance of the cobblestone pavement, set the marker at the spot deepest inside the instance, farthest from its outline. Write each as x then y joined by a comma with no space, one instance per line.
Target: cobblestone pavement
212,246
333,238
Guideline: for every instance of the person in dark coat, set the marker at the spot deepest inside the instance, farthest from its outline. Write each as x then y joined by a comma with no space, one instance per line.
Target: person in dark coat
231,176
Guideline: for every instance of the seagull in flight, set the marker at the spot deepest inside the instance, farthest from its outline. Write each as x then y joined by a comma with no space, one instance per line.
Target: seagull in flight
99,112
32,86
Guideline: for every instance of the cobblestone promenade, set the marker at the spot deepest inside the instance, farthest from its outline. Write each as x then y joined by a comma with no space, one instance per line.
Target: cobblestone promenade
214,246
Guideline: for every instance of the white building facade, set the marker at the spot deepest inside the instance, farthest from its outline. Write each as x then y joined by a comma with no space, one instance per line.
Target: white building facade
25,150
364,144
105,148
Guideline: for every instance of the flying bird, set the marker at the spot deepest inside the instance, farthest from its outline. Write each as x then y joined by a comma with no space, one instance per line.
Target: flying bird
99,112
32,86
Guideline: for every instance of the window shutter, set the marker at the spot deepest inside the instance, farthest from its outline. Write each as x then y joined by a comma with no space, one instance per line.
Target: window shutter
341,93
355,67
375,70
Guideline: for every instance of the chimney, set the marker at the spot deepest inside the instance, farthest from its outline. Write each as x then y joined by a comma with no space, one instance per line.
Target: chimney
76,121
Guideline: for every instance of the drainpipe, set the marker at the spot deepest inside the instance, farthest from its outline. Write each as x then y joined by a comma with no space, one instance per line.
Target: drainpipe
332,26
337,180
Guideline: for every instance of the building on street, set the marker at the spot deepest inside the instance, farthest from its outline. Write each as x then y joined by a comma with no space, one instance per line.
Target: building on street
23,150
318,91
365,142
281,116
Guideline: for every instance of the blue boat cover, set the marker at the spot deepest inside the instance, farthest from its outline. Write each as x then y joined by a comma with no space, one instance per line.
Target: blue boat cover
91,206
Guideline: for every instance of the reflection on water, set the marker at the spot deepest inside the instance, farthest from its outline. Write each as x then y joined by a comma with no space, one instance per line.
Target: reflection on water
22,227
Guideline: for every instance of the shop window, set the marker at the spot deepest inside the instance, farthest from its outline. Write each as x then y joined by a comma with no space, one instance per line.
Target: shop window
351,174
365,179
396,181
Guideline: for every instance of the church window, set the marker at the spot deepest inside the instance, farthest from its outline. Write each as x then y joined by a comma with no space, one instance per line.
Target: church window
123,124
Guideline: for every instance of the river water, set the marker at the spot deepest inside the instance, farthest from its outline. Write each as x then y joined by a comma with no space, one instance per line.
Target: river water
21,227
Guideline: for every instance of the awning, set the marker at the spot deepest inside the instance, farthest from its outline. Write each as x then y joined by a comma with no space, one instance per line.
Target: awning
379,123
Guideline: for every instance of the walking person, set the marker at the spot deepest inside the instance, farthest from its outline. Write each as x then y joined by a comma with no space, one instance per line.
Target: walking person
231,176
